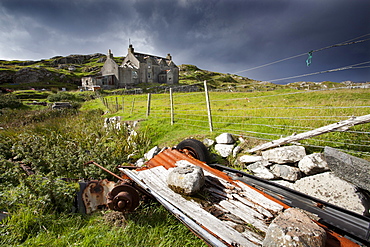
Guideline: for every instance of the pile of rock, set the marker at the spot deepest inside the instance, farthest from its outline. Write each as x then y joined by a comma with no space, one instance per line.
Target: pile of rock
310,174
317,174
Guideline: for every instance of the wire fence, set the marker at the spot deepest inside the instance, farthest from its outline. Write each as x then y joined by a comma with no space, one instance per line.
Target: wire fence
264,116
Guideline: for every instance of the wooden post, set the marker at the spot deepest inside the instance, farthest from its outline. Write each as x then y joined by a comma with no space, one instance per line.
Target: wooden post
148,106
133,104
340,126
123,104
171,105
208,107
116,103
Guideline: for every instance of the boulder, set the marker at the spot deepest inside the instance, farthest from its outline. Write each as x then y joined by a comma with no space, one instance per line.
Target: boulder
187,179
294,228
224,149
247,159
348,167
288,154
140,162
152,152
259,170
225,138
236,150
330,188
313,164
208,142
286,172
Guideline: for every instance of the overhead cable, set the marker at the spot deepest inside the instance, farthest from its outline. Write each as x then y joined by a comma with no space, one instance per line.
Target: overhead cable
322,72
303,54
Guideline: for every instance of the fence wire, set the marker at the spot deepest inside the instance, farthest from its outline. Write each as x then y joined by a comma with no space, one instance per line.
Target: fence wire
255,116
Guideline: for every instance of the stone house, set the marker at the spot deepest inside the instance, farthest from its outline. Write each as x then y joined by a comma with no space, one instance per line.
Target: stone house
136,68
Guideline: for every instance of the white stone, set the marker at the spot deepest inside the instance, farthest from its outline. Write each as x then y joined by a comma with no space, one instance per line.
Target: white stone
286,172
236,150
247,159
140,162
224,149
282,155
313,164
259,170
327,187
186,179
225,138
152,152
208,142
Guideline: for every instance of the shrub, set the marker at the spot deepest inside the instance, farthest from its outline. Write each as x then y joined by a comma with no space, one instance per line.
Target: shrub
64,96
9,101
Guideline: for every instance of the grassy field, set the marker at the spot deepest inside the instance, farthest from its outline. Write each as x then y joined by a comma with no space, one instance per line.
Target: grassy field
261,116
56,144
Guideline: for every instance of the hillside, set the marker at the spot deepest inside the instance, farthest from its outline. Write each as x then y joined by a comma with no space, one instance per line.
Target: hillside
66,72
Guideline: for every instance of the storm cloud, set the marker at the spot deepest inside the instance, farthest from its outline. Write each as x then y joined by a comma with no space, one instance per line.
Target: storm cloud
230,36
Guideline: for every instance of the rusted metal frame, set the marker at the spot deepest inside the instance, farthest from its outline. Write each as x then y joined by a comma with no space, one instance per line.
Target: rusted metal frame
104,169
354,225
198,230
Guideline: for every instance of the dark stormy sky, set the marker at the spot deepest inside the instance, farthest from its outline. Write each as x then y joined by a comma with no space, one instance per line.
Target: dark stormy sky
229,36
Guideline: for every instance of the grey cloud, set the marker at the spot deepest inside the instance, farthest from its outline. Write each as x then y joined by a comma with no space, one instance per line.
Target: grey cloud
221,35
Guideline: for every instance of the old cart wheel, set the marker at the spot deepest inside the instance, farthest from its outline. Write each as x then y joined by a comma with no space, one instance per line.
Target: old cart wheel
195,148
123,198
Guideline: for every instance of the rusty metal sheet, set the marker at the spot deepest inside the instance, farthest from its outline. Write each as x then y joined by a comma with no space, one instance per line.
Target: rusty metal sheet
95,194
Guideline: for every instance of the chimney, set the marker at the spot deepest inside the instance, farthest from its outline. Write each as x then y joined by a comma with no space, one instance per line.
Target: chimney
130,49
110,54
169,57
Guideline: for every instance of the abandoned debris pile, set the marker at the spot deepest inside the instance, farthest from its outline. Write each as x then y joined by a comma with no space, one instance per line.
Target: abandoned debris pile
311,174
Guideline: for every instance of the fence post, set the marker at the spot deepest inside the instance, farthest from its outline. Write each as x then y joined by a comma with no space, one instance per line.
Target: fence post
116,103
123,104
133,104
208,107
148,106
171,105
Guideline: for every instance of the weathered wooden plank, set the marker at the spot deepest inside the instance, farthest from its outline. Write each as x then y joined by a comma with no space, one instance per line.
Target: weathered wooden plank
248,234
260,202
155,178
260,199
251,204
245,213
340,126
197,229
218,193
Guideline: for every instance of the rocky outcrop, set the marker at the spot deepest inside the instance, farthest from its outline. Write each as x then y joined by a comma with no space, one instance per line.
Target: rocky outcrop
31,75
6,76
76,59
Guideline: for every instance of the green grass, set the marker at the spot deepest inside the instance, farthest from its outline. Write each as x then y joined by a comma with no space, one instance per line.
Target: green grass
149,225
262,115
57,143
